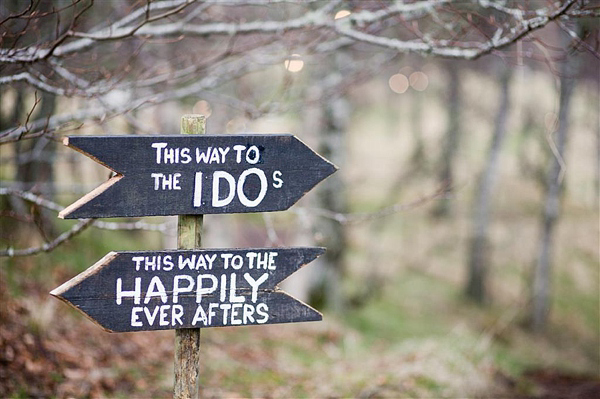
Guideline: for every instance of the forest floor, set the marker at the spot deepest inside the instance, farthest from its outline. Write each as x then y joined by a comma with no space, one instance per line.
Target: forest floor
411,341
413,335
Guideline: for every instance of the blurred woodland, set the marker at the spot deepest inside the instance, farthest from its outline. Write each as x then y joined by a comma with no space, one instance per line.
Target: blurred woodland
462,228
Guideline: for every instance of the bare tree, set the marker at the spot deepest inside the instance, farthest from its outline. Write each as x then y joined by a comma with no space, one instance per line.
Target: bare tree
450,144
554,188
151,53
479,247
249,38
332,197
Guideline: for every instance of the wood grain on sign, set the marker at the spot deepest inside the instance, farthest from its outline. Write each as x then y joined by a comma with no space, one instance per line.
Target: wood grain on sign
197,174
159,290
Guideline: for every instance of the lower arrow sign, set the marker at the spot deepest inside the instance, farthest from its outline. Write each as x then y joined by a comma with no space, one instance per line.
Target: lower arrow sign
160,290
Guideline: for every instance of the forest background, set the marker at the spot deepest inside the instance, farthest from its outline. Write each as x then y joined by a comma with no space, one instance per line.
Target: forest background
462,227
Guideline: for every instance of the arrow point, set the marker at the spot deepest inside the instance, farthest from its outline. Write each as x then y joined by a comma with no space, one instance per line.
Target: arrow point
59,291
334,168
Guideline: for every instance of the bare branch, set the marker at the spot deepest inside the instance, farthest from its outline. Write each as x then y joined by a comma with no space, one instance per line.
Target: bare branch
578,40
66,35
227,71
53,206
47,247
318,19
352,218
33,81
466,51
35,199
19,15
128,32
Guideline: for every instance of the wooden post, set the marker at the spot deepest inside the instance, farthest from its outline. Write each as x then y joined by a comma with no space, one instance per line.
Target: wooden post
187,340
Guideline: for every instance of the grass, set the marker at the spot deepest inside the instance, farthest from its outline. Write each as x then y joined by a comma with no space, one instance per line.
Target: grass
416,336
406,309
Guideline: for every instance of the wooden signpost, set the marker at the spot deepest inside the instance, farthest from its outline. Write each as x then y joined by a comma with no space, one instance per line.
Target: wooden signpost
187,289
160,290
197,174
186,365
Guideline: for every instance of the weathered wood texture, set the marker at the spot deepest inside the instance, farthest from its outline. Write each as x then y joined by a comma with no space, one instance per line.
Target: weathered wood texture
197,174
187,364
187,341
160,290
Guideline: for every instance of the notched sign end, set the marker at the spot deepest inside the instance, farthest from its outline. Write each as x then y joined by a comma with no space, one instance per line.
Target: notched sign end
70,212
93,148
59,291
295,310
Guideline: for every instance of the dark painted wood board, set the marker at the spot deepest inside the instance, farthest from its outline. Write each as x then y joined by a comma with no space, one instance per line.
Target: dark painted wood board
197,174
158,290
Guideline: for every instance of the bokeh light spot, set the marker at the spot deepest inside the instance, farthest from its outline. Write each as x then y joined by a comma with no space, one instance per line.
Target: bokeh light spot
418,81
342,14
398,83
294,63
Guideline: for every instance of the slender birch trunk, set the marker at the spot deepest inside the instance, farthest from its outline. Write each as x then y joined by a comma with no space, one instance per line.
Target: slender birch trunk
541,289
479,261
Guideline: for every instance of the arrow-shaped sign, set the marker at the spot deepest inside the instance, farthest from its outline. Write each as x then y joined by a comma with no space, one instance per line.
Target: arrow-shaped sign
142,291
197,174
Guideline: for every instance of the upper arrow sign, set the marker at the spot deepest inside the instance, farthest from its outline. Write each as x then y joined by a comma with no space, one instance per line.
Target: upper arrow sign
197,174
159,290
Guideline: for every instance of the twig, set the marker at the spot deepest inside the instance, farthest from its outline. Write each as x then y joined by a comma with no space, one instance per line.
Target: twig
64,237
351,218
53,206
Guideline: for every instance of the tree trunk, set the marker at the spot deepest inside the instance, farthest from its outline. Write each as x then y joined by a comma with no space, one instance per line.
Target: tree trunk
419,156
540,304
35,169
597,165
479,246
450,146
331,196
10,205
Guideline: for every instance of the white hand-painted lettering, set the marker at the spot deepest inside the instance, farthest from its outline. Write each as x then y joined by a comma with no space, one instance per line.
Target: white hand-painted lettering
168,181
205,290
171,155
231,298
255,284
263,187
156,289
263,261
177,288
211,155
197,189
253,155
159,147
135,294
217,202
277,181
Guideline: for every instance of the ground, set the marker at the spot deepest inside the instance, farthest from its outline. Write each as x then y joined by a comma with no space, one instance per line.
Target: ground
49,350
